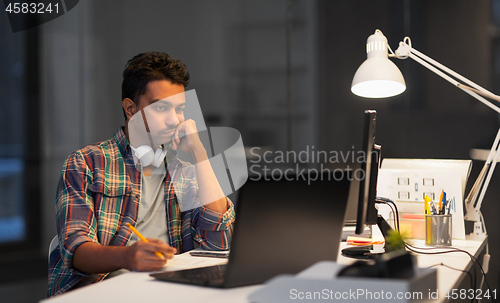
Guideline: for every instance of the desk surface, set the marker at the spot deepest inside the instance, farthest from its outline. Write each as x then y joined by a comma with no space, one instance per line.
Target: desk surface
137,287
448,278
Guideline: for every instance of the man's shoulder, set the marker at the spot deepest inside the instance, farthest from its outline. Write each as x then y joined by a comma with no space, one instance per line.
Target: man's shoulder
99,148
107,147
96,153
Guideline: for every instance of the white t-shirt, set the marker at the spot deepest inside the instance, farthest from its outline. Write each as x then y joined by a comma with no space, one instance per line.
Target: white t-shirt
151,219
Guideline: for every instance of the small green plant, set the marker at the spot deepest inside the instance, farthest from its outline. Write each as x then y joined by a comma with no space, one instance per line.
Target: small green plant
395,241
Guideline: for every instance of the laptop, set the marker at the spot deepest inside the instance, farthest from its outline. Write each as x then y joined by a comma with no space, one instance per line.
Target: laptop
282,226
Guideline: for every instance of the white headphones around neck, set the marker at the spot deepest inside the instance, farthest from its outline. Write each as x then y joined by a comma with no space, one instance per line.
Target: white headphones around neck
145,153
147,156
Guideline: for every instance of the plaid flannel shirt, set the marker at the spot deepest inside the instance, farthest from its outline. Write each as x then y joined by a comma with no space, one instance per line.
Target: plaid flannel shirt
99,192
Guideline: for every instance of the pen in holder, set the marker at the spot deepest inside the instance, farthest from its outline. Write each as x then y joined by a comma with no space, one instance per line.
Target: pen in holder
438,230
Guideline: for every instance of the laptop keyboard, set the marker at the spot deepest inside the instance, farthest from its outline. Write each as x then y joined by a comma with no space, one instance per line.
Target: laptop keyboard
210,276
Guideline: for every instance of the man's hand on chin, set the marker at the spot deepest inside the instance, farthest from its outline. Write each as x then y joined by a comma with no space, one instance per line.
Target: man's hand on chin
190,142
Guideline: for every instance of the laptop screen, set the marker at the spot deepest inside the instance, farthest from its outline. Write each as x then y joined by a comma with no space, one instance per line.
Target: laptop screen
284,225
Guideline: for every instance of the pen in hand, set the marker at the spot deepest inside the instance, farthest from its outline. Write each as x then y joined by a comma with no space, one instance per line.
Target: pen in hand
144,239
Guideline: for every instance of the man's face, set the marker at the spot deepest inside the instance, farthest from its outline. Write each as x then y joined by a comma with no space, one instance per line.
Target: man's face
163,104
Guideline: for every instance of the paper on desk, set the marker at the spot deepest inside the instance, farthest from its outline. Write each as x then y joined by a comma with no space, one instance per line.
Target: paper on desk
449,181
186,261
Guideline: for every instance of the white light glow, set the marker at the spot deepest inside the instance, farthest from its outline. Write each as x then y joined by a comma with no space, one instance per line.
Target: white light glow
378,88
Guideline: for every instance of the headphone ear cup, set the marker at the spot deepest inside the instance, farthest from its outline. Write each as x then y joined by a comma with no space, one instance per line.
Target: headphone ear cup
159,156
145,154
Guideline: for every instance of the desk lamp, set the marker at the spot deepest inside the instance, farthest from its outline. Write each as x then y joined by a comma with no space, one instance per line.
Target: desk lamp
379,77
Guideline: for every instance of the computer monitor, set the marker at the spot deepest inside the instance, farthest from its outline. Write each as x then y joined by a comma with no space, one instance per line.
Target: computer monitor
367,213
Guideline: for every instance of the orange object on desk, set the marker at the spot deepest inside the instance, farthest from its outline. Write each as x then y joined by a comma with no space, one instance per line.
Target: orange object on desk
406,216
412,225
362,241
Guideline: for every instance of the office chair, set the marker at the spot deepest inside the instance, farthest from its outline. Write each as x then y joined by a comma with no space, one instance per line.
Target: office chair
53,244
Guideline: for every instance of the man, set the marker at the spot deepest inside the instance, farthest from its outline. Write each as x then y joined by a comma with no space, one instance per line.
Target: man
102,189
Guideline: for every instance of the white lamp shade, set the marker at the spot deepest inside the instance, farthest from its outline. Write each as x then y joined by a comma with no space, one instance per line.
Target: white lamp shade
377,77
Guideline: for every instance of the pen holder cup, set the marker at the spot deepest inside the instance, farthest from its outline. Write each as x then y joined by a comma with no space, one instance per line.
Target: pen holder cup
438,230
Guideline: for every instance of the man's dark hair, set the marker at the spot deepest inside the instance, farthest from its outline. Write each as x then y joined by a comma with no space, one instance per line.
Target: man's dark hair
147,67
